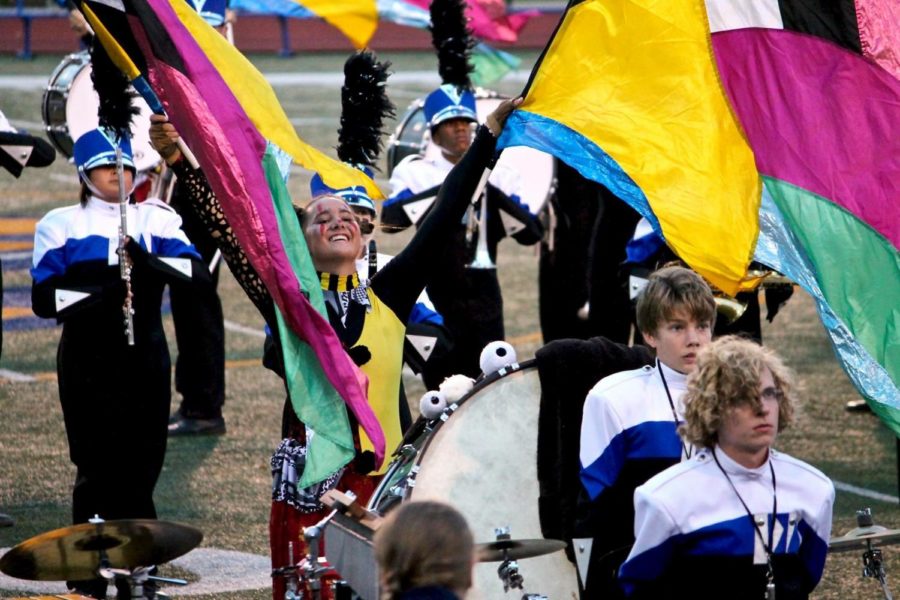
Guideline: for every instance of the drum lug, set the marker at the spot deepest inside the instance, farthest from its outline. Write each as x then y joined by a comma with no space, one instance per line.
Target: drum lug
411,478
448,412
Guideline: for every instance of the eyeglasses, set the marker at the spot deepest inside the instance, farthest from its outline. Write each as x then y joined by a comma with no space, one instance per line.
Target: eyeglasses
772,393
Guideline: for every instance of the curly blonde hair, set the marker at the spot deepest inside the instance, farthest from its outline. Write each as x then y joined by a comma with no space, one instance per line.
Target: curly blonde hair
424,544
727,375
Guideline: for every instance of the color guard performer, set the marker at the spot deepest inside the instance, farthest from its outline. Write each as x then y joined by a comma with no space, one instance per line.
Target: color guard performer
368,316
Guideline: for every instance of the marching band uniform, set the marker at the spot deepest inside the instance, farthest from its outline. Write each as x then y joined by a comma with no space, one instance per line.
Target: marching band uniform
197,314
114,397
695,539
628,434
470,300
370,319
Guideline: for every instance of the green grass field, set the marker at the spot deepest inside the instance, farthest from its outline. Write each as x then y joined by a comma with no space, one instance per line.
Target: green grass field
221,485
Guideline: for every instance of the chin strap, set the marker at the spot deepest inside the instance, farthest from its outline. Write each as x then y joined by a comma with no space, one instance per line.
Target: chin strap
86,179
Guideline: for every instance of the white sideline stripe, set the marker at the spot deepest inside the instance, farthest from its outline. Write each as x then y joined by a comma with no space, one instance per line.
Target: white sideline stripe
16,376
861,491
426,79
238,328
17,255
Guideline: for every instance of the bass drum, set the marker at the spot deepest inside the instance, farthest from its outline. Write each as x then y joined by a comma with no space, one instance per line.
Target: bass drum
69,109
482,459
537,169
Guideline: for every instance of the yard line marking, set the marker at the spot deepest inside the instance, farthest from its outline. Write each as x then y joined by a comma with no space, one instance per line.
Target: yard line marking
527,338
238,328
16,376
17,312
861,491
17,226
313,121
15,255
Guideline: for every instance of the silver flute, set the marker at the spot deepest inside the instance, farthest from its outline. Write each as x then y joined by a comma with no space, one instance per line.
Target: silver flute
124,263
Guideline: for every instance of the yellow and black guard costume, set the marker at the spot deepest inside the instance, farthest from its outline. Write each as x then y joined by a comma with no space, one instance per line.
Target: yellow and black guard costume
370,320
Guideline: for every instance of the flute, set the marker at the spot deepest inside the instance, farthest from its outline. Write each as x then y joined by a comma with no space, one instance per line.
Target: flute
124,266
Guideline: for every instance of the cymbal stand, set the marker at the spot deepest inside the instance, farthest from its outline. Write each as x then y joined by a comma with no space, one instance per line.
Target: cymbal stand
137,579
311,569
873,560
508,571
873,566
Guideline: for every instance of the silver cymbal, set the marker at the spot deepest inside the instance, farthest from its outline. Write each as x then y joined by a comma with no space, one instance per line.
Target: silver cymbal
515,549
861,537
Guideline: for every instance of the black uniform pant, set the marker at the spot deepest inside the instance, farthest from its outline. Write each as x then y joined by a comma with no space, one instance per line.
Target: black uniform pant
115,403
199,331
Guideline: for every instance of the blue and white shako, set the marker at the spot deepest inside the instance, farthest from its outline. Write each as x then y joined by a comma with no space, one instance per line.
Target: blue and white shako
212,11
449,102
97,148
356,196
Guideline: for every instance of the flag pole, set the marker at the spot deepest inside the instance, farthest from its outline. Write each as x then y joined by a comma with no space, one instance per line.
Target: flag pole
129,69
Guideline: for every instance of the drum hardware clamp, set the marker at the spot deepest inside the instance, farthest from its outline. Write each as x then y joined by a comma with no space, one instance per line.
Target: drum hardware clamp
448,412
411,478
865,536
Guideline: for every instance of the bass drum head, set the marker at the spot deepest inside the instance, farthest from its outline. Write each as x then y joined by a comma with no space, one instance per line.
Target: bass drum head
483,461
53,104
537,169
78,103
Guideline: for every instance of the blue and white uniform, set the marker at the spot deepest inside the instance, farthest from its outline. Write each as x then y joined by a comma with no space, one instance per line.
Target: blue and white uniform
416,175
469,300
694,539
114,397
628,435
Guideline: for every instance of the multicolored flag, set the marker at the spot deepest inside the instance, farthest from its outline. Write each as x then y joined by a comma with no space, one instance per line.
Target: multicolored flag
356,19
230,117
487,18
752,143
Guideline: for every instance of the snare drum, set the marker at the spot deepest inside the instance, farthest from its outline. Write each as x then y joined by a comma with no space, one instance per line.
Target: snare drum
69,109
482,459
537,169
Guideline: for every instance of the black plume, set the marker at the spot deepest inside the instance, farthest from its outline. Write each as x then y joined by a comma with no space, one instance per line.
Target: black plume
453,41
115,110
364,106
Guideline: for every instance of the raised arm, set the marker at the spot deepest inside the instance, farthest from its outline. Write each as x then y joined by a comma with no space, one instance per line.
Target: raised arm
206,207
401,281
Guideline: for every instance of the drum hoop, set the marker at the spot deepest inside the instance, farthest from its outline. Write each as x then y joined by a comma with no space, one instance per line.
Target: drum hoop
506,371
437,423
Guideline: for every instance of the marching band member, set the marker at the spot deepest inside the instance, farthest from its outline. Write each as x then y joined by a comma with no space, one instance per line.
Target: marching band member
368,316
114,396
469,300
198,317
739,519
628,430
425,551
19,149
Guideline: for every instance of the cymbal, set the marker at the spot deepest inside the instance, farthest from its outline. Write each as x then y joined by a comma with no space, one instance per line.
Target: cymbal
515,549
74,553
858,539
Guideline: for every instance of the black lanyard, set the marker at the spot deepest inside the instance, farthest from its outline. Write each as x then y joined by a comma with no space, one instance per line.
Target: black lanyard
769,548
684,447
